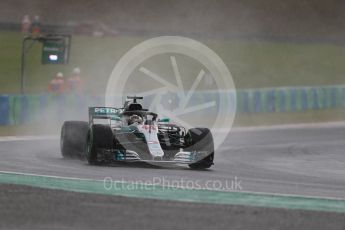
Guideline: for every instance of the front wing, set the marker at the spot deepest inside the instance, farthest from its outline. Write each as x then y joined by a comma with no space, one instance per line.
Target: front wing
182,157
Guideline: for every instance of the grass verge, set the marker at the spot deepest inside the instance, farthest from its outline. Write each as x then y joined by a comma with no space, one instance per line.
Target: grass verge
253,64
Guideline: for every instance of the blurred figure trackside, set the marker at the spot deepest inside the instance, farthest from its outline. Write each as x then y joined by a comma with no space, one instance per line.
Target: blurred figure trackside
26,24
74,82
36,26
57,84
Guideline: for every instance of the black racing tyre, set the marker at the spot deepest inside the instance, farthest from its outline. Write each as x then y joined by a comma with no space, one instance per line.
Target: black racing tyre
200,139
73,138
98,137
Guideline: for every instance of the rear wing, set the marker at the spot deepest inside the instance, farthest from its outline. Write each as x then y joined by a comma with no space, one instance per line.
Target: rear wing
104,113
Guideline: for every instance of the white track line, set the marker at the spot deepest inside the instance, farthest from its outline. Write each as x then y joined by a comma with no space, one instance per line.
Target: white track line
221,130
28,138
335,124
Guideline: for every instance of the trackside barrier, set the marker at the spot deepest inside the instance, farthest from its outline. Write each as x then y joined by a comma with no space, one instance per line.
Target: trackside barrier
25,109
4,108
290,99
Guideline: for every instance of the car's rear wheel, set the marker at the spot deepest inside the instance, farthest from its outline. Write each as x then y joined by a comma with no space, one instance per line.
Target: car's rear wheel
73,138
201,140
99,137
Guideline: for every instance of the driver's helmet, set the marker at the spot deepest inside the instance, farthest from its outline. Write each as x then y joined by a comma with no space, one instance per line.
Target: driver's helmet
135,119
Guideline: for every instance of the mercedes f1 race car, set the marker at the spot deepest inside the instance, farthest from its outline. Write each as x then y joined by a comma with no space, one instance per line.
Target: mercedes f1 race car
134,134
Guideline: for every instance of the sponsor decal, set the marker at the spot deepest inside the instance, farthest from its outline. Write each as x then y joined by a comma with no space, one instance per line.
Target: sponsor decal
105,110
149,127
152,142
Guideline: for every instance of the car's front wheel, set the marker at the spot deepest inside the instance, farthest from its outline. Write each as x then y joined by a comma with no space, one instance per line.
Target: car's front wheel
72,139
201,141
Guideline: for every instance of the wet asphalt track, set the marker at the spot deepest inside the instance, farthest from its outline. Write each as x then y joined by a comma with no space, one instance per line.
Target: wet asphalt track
305,162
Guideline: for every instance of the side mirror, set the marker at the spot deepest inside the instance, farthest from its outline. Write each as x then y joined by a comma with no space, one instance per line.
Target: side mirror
164,120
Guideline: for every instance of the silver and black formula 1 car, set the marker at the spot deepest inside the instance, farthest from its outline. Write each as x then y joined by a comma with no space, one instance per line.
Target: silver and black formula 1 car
134,134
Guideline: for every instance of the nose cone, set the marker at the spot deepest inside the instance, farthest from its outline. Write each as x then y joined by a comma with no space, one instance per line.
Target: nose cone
151,135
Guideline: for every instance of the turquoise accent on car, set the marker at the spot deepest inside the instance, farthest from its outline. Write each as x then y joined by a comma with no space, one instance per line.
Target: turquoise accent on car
164,120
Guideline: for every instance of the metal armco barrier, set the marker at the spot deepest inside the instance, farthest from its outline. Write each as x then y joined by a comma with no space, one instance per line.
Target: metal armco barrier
25,109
